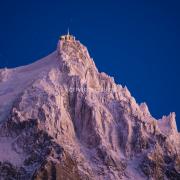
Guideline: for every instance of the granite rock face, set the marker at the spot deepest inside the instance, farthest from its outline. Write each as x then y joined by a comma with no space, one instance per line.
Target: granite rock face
62,119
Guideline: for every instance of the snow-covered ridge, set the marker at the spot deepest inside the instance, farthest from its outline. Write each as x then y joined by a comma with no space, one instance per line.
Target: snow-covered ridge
61,113
14,81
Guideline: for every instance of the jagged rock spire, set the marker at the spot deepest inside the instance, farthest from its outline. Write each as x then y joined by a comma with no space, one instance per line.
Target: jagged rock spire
65,119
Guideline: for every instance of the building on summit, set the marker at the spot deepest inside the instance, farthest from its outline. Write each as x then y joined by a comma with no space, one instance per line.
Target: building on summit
67,37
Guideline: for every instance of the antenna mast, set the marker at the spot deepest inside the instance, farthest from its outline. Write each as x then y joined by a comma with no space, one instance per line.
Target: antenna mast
68,31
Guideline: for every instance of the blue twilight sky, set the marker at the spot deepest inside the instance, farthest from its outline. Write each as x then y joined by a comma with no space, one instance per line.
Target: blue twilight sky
137,42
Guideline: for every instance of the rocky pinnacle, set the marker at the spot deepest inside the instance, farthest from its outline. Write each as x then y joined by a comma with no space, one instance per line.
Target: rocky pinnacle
62,119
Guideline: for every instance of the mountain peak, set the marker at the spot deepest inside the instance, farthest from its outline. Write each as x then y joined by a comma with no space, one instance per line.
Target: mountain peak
61,116
74,57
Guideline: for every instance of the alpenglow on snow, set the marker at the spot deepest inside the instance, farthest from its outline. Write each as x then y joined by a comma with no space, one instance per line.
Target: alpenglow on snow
60,118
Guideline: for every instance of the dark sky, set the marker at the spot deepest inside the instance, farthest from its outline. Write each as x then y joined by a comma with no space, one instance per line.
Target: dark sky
137,42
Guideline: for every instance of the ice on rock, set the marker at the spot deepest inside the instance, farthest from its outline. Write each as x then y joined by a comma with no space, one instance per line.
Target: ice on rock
63,114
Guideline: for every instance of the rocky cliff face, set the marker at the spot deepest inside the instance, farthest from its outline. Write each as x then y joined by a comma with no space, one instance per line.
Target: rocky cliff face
62,119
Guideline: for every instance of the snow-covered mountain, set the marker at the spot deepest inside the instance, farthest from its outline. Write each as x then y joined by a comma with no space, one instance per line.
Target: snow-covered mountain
62,119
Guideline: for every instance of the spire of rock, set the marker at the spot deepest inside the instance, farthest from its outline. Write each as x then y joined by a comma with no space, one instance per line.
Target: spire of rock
60,114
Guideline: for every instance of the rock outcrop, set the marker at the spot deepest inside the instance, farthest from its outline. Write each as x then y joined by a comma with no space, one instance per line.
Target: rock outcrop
62,119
